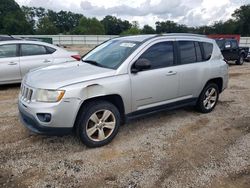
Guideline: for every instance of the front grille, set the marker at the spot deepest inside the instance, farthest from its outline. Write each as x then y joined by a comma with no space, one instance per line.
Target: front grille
26,93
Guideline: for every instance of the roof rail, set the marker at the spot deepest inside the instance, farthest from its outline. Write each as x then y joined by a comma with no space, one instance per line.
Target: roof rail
182,34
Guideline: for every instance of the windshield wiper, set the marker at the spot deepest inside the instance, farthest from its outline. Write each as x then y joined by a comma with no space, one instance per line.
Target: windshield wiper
93,63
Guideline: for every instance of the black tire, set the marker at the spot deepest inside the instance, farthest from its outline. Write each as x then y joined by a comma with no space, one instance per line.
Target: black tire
83,121
241,59
200,106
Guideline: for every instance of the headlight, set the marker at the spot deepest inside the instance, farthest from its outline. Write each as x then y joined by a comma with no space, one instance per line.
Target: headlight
43,95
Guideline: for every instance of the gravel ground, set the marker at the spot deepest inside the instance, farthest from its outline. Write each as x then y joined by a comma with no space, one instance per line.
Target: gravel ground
181,148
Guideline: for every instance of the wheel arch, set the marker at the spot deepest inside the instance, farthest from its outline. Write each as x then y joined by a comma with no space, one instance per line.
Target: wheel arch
218,81
115,99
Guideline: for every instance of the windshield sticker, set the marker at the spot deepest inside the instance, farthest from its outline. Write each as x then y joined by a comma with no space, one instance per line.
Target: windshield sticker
127,44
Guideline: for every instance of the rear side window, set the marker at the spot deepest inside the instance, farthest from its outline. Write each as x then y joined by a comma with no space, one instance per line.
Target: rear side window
208,49
160,55
234,44
31,49
9,50
50,50
187,52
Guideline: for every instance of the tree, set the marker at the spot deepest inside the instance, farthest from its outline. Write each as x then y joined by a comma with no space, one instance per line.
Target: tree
242,18
134,30
46,27
12,19
89,26
148,30
64,21
170,27
114,26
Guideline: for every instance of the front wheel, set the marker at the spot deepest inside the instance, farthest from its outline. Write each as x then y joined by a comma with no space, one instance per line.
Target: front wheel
98,123
208,98
240,61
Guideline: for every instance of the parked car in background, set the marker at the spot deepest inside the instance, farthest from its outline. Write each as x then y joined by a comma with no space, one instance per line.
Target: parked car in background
231,51
121,79
17,57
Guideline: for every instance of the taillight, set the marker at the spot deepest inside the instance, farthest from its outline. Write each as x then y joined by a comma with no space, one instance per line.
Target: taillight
76,57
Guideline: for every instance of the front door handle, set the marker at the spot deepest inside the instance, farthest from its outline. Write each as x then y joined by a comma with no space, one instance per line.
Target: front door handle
46,61
12,63
170,73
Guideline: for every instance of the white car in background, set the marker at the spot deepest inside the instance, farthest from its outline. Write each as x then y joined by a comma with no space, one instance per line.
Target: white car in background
17,57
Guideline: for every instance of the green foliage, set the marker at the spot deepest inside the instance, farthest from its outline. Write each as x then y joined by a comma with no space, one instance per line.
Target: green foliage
148,30
33,20
46,27
242,18
114,26
89,26
12,19
134,30
170,27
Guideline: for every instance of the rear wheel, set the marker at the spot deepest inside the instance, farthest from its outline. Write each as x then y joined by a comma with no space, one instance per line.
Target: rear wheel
98,123
208,98
240,61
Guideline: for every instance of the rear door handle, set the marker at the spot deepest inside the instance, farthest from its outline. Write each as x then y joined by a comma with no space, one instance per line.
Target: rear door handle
46,61
170,73
12,63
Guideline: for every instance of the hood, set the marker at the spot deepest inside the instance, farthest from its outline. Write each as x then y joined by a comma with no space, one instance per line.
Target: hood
56,76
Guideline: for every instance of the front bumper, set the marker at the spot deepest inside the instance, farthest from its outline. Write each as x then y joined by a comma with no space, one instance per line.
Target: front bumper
62,121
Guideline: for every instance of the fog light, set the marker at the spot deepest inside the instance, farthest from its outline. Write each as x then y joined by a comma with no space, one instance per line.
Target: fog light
44,117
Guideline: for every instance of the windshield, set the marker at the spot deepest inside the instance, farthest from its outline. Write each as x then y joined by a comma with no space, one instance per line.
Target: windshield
110,54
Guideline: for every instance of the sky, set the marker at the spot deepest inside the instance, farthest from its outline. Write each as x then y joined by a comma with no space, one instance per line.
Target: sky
189,12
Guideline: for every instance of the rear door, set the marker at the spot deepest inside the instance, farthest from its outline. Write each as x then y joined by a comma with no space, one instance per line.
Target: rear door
9,64
34,56
192,67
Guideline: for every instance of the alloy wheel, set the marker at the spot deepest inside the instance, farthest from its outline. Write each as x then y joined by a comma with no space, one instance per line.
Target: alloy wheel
100,125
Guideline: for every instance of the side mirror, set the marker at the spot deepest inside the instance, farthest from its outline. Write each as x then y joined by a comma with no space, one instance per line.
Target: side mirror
141,64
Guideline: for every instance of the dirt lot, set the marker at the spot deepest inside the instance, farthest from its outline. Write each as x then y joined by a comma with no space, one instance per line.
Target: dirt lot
181,148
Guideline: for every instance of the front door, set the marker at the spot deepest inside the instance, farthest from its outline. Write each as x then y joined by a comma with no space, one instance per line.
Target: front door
158,85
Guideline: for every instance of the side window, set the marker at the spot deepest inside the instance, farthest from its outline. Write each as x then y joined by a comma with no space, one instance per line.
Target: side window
228,44
50,50
198,52
32,49
8,50
187,52
208,49
234,44
160,55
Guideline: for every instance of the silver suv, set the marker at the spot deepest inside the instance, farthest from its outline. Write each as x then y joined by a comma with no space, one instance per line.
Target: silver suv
121,79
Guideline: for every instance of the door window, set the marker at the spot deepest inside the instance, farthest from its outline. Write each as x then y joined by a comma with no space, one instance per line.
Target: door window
208,49
160,55
8,50
234,44
31,49
187,52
